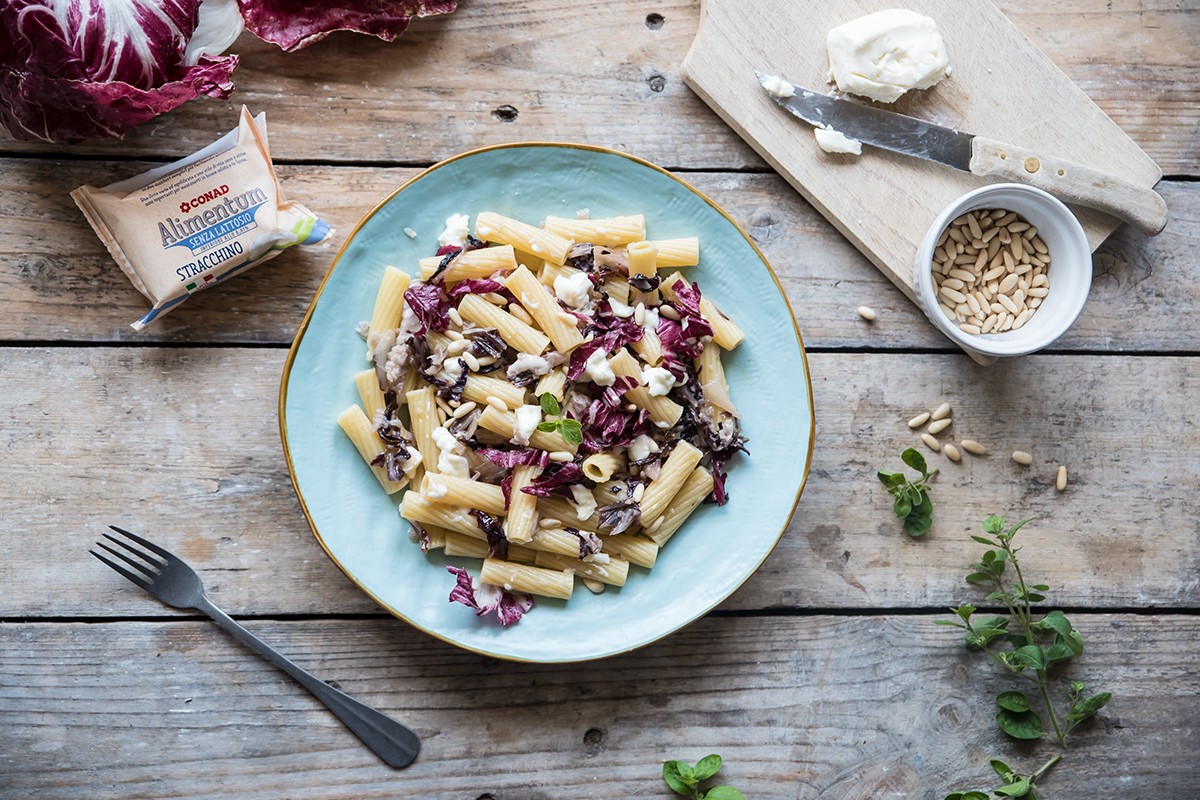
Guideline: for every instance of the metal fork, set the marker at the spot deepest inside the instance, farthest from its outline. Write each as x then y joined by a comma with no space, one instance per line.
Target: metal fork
169,578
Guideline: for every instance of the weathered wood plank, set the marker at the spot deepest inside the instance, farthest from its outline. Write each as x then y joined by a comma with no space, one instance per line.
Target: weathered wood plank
58,283
578,71
821,707
183,444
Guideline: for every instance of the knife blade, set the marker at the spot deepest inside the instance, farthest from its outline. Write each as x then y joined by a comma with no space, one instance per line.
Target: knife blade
1071,182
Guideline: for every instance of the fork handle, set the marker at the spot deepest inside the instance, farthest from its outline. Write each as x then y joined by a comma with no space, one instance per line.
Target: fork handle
391,741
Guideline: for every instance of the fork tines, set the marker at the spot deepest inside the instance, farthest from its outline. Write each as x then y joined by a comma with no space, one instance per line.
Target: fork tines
143,566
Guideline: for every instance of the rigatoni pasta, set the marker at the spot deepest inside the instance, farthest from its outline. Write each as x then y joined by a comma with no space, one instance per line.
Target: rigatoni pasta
552,404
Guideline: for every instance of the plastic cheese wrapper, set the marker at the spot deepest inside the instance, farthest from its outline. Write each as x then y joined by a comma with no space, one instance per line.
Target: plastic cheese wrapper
189,225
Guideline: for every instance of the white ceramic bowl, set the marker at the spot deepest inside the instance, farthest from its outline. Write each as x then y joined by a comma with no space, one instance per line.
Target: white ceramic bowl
1070,271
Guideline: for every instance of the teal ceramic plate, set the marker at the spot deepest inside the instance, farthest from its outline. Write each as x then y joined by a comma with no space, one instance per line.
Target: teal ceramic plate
710,557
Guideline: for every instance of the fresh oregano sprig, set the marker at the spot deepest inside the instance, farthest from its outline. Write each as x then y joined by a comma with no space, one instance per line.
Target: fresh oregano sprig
1015,784
569,429
1025,645
912,503
685,779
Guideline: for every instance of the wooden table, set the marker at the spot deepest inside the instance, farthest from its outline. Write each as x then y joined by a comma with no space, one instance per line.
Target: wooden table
822,677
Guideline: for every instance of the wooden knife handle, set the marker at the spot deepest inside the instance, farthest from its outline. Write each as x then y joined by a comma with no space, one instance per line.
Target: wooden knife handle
1072,183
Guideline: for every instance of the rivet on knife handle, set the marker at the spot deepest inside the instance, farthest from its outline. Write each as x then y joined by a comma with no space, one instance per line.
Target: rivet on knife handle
1070,182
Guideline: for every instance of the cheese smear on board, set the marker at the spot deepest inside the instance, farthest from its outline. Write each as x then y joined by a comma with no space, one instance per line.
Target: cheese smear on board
832,141
883,55
187,226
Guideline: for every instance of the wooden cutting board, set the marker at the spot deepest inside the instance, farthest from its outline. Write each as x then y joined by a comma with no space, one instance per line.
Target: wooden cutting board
1001,86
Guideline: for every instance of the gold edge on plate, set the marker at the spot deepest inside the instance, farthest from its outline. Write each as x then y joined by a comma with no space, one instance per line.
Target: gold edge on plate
303,328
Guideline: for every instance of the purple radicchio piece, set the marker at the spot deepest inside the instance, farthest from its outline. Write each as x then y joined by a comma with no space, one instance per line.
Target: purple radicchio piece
474,286
513,458
421,536
397,444
487,599
589,543
295,24
617,518
430,305
73,70
605,426
645,283
678,351
687,301
486,342
496,540
555,480
717,434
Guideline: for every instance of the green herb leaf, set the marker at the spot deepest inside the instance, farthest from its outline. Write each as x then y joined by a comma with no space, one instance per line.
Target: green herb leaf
549,405
723,793
965,611
978,577
1002,769
1089,706
891,479
673,777
974,795
993,524
918,523
914,459
902,506
707,767
984,540
1013,701
547,427
1058,652
1018,789
1023,725
571,431
1031,656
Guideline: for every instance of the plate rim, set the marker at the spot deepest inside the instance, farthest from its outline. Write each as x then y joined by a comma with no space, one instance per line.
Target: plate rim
302,329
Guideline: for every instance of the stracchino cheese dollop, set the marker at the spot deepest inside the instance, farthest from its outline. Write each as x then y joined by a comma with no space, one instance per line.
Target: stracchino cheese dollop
883,55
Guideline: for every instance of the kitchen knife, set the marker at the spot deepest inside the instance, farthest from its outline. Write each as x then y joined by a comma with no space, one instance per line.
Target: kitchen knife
1071,182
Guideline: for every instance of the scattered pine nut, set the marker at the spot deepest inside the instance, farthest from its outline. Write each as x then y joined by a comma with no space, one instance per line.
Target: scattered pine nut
940,425
919,420
520,313
549,522
941,412
464,409
561,456
594,586
1060,479
867,313
973,447
455,317
952,452
931,442
1022,458
497,403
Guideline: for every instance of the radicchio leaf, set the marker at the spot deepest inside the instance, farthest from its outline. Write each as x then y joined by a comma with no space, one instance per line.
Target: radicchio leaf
555,481
589,543
687,301
487,342
619,517
430,305
79,69
513,458
678,352
605,426
294,24
497,541
474,286
471,244
486,599
421,535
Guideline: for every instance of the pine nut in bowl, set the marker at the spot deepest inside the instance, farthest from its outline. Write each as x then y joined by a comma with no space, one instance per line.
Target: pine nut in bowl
1004,270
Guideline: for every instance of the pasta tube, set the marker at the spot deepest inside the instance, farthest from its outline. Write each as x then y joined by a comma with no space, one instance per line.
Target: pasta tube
356,426
452,490
494,227
525,338
663,410
389,302
532,580
610,231
481,263
544,309
522,508
614,573
675,471
699,485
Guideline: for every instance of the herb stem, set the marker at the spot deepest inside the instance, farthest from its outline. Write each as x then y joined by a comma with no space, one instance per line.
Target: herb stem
1058,732
1042,769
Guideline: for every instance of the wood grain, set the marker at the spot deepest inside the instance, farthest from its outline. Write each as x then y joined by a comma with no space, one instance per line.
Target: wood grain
57,283
578,71
814,707
182,445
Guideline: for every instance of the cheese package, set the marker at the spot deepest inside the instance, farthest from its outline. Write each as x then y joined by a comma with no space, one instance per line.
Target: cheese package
187,226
